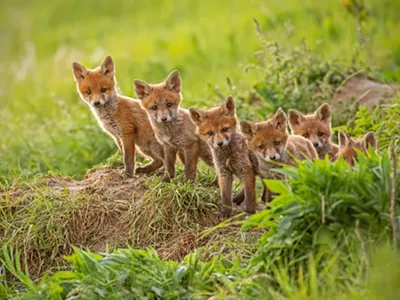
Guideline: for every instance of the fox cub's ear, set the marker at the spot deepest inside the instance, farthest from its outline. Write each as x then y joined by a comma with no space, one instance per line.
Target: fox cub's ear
369,139
344,139
107,67
173,82
279,120
79,71
197,116
295,118
324,113
229,107
142,89
248,129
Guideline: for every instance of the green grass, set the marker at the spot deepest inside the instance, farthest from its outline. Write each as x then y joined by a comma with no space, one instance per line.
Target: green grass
340,252
45,126
46,130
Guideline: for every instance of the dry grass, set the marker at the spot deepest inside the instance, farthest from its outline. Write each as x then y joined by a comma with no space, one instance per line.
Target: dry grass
46,217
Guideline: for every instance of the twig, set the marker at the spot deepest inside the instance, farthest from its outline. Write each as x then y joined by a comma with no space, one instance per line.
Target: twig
393,199
323,208
364,250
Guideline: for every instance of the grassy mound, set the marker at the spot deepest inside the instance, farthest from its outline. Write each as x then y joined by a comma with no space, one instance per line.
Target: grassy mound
46,217
328,234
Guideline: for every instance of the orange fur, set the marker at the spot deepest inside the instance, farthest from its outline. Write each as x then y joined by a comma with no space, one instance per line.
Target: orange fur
271,143
218,127
119,116
316,128
172,125
348,145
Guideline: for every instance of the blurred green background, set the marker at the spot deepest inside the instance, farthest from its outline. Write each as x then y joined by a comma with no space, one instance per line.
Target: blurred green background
45,126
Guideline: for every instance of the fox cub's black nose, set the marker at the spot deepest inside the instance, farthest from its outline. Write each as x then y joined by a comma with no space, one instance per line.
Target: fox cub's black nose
272,157
96,103
220,144
163,119
315,144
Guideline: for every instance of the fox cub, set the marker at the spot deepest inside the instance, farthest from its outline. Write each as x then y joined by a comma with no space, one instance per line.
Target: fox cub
119,116
316,128
218,127
348,145
172,125
271,142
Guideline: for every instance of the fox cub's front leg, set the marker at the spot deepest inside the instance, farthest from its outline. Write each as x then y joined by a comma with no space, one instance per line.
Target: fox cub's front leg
191,159
170,160
249,181
128,152
225,186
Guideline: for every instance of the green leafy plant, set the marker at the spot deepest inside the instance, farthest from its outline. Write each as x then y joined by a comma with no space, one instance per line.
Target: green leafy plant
320,205
296,78
384,121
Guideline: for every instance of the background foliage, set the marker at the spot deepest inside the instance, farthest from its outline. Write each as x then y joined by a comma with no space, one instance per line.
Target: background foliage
45,126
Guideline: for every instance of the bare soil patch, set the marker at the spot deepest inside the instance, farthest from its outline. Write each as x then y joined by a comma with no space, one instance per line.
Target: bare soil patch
365,92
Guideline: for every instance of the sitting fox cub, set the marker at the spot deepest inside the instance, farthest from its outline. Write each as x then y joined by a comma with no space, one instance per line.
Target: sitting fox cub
218,126
119,116
348,145
270,141
172,125
317,129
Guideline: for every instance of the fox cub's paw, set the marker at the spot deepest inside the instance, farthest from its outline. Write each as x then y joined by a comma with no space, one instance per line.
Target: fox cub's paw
127,173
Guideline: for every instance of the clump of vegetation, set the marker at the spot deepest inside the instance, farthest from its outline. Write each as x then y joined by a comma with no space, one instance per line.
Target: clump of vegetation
323,204
44,218
296,78
384,120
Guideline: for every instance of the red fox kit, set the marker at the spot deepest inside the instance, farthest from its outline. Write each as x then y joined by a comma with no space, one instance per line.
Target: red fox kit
348,144
218,127
270,141
316,128
119,116
172,125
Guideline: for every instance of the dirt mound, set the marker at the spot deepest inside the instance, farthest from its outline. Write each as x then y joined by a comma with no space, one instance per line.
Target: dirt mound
46,218
365,92
106,184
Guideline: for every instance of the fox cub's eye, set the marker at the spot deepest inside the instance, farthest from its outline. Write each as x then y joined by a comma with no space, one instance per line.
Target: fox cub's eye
306,135
210,133
103,90
169,104
261,146
320,133
225,129
154,107
88,92
276,143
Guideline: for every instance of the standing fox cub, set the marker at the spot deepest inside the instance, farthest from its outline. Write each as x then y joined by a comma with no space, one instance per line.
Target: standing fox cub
172,125
317,129
270,141
348,145
218,127
119,116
